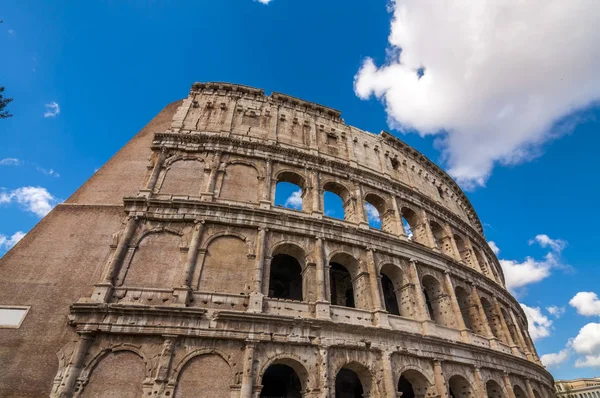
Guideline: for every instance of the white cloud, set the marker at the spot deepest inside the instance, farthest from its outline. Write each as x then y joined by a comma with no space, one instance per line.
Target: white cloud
554,359
7,242
587,343
519,274
545,241
407,229
372,213
490,78
555,311
34,199
50,172
52,109
494,247
539,324
264,1
586,303
295,200
10,162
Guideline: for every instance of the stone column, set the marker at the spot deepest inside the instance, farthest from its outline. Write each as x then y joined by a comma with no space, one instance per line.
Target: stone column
248,371
479,386
265,203
380,317
156,170
529,388
212,179
316,193
427,229
73,368
474,261
324,372
422,312
361,212
520,336
256,295
505,331
398,212
182,292
440,381
388,374
485,322
322,304
460,322
508,386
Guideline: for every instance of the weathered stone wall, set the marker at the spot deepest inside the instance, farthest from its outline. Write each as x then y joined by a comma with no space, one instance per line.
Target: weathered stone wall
190,289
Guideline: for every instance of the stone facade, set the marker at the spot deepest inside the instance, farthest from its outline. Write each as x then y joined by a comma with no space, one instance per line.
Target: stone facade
578,388
171,273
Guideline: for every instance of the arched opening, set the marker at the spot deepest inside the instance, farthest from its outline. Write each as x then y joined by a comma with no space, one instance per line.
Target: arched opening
511,328
491,318
494,390
459,387
464,304
285,278
342,291
435,299
413,384
519,393
462,249
378,213
395,288
438,235
348,384
482,261
289,191
536,394
337,202
410,221
280,381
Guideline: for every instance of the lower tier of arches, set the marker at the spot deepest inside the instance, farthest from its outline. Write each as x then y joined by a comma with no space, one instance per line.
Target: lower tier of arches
107,365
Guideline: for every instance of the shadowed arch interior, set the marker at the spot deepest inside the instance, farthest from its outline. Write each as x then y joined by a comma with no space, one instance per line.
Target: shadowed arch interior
464,303
412,384
348,384
519,392
459,387
285,279
280,380
344,285
393,285
435,299
494,390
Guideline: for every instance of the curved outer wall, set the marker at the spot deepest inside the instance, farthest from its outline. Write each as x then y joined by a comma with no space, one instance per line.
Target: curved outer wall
183,303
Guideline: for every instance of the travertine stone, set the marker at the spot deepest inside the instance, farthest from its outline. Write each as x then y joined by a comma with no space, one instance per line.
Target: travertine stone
172,273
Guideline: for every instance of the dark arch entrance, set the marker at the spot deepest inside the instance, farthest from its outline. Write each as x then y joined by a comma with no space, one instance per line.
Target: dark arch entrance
389,295
280,381
405,387
342,291
285,280
347,384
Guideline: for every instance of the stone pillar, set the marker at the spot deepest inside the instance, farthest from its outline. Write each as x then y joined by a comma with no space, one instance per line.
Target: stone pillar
529,388
479,386
256,295
427,229
399,223
361,212
485,322
456,253
440,381
421,312
156,170
460,322
324,372
520,337
248,371
212,179
505,331
316,193
388,374
508,386
322,305
265,203
181,293
73,369
380,317
474,261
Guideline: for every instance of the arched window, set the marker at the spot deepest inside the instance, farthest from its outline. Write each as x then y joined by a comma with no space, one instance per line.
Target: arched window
435,299
289,191
393,283
410,221
511,327
280,381
379,215
462,248
491,318
459,387
285,280
348,384
494,390
483,264
519,393
413,384
342,291
465,305
337,202
438,235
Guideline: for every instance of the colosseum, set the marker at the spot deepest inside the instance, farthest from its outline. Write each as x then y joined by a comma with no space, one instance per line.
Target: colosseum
172,272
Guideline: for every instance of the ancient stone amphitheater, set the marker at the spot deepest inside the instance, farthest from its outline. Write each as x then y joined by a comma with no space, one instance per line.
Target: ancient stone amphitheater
193,283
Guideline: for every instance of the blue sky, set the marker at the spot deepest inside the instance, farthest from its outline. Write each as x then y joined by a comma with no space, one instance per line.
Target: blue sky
512,115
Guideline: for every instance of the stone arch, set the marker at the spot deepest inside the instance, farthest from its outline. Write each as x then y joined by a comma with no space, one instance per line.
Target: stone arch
341,190
183,176
287,276
345,381
511,327
347,285
491,317
228,264
385,211
293,362
460,387
203,373
242,182
466,307
413,383
156,259
519,391
414,227
396,290
494,389
292,177
463,249
483,263
537,394
117,371
436,300
197,352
